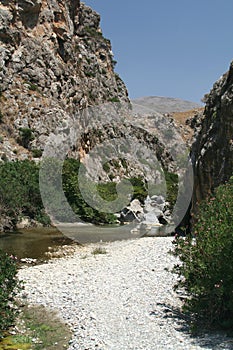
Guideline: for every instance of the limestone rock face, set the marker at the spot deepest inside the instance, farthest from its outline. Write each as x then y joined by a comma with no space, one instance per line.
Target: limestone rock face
213,149
54,61
57,78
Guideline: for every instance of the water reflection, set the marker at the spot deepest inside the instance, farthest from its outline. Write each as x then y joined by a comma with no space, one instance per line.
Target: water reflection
32,243
93,234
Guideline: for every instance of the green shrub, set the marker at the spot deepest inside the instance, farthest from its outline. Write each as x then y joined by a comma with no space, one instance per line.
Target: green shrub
117,77
206,269
22,197
99,250
107,191
25,137
91,31
19,189
106,167
113,99
140,188
172,188
33,87
90,74
36,153
43,218
75,198
1,117
9,286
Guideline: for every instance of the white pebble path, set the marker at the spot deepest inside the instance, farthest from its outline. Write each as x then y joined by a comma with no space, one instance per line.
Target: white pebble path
121,300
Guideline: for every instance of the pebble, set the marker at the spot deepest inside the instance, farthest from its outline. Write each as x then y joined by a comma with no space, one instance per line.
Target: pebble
117,301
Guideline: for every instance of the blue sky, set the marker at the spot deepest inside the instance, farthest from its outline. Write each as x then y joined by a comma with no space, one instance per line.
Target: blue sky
173,48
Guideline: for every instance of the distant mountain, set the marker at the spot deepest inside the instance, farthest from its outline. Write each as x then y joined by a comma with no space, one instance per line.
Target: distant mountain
163,104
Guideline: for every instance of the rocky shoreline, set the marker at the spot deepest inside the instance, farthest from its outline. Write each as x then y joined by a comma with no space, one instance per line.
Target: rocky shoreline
117,295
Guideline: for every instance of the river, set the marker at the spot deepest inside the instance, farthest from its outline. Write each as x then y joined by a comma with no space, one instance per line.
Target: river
34,243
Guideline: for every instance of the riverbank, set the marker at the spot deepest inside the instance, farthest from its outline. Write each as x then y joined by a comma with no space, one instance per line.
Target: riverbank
117,297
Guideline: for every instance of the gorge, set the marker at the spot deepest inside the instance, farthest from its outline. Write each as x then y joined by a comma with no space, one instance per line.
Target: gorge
78,156
56,66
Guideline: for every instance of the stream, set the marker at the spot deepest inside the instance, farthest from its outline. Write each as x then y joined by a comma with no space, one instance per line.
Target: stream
34,243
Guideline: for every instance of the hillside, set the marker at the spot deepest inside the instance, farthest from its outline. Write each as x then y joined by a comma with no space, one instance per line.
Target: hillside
164,104
184,113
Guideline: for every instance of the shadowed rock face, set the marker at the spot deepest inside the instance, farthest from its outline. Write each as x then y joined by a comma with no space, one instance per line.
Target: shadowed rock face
213,149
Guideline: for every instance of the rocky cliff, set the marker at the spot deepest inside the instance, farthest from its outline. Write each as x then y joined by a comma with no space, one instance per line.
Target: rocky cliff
54,64
54,61
213,149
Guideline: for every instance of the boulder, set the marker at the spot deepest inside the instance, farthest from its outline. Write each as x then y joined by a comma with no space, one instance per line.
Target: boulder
25,222
128,216
135,206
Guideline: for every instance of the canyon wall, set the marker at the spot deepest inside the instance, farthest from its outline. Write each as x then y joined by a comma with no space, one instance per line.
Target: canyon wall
213,148
54,61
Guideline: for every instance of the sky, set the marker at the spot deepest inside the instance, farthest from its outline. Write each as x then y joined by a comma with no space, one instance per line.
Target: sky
172,48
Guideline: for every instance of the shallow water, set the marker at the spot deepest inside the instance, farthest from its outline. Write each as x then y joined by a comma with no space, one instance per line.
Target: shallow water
32,243
92,234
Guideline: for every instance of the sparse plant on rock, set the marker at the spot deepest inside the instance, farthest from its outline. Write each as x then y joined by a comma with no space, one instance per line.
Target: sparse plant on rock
114,99
36,153
1,117
99,250
25,137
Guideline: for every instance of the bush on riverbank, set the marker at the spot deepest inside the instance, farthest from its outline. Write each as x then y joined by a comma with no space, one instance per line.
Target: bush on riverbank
75,198
9,285
206,269
20,192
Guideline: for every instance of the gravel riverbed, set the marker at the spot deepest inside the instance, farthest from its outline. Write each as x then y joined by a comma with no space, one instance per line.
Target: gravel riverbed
120,300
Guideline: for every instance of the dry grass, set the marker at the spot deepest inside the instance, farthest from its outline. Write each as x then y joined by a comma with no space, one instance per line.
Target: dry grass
38,329
181,117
